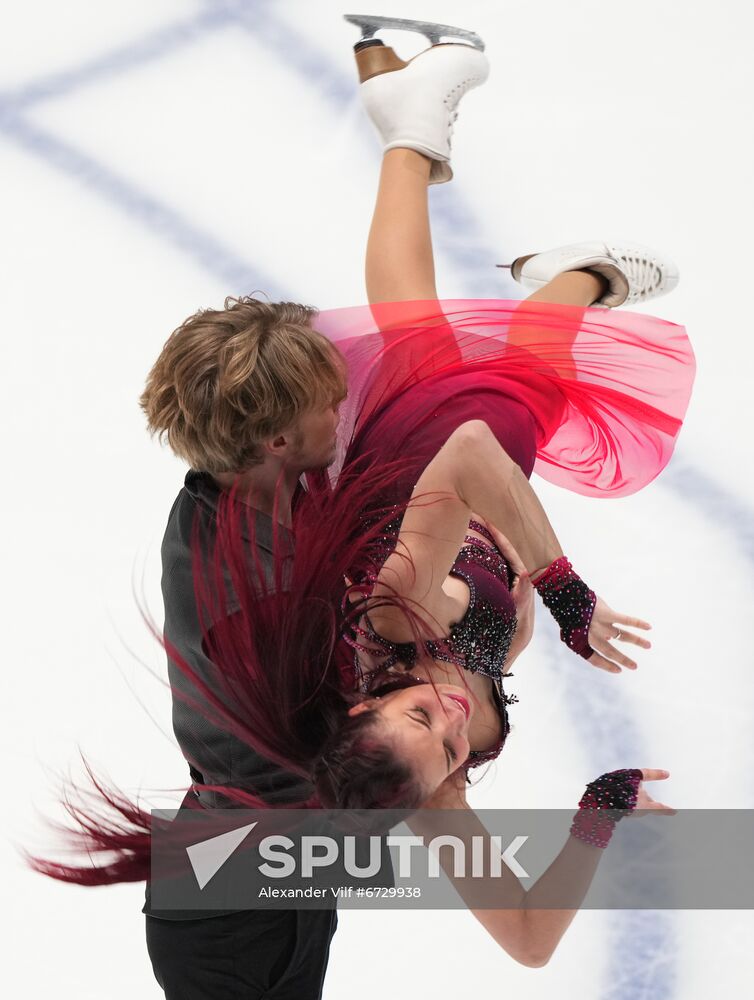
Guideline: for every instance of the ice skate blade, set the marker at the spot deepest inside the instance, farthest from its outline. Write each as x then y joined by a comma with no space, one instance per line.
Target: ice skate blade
515,267
370,23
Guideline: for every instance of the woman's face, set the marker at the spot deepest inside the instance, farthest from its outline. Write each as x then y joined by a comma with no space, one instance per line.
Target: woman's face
428,727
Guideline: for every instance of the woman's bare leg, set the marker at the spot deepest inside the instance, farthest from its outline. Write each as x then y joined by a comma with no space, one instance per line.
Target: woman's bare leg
572,288
399,261
400,267
556,330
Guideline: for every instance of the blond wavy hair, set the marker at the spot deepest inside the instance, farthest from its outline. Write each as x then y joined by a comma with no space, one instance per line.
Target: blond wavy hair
228,379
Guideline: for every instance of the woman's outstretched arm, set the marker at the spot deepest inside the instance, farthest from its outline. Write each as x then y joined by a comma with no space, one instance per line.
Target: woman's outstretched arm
522,921
472,472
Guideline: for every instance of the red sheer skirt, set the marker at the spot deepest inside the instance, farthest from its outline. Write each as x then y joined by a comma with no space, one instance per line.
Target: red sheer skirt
589,399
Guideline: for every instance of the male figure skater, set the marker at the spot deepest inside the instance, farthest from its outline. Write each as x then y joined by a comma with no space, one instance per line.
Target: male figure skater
250,387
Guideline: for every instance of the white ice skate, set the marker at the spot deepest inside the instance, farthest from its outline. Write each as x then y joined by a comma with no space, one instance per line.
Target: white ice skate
634,272
414,104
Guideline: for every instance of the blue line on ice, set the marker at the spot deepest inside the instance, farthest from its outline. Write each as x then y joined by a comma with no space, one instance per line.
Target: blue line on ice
152,46
159,218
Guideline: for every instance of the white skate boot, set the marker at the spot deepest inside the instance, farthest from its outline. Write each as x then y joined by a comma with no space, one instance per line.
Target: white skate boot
634,273
413,104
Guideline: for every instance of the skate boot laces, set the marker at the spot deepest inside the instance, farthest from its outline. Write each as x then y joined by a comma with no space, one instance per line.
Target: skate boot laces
451,101
645,276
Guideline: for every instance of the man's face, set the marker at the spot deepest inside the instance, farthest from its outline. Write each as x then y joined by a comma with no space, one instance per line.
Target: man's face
315,438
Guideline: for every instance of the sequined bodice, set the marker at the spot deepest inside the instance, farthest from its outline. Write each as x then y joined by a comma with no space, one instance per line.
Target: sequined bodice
479,642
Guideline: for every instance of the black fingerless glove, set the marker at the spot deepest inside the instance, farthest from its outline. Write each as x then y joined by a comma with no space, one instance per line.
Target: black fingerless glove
570,602
615,792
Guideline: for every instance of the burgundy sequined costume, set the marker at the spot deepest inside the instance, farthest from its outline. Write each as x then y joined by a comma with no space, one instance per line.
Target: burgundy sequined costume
592,400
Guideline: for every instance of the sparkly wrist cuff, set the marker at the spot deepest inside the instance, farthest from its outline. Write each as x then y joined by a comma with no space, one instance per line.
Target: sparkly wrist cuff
606,800
570,602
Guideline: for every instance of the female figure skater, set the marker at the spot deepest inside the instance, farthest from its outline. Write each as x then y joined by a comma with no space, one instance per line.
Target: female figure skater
490,388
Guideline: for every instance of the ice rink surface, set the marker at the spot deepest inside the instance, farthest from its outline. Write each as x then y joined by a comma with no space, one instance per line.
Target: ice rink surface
159,156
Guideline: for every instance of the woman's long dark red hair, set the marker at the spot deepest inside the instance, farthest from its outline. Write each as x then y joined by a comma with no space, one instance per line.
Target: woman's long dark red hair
285,679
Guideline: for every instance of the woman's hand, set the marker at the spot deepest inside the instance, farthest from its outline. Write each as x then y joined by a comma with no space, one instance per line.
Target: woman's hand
606,626
522,593
644,800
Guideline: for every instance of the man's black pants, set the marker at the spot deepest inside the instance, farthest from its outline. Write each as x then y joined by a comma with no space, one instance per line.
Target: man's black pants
276,954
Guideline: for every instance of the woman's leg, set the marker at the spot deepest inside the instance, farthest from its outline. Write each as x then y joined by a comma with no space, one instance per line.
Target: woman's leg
399,261
400,268
573,288
550,333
